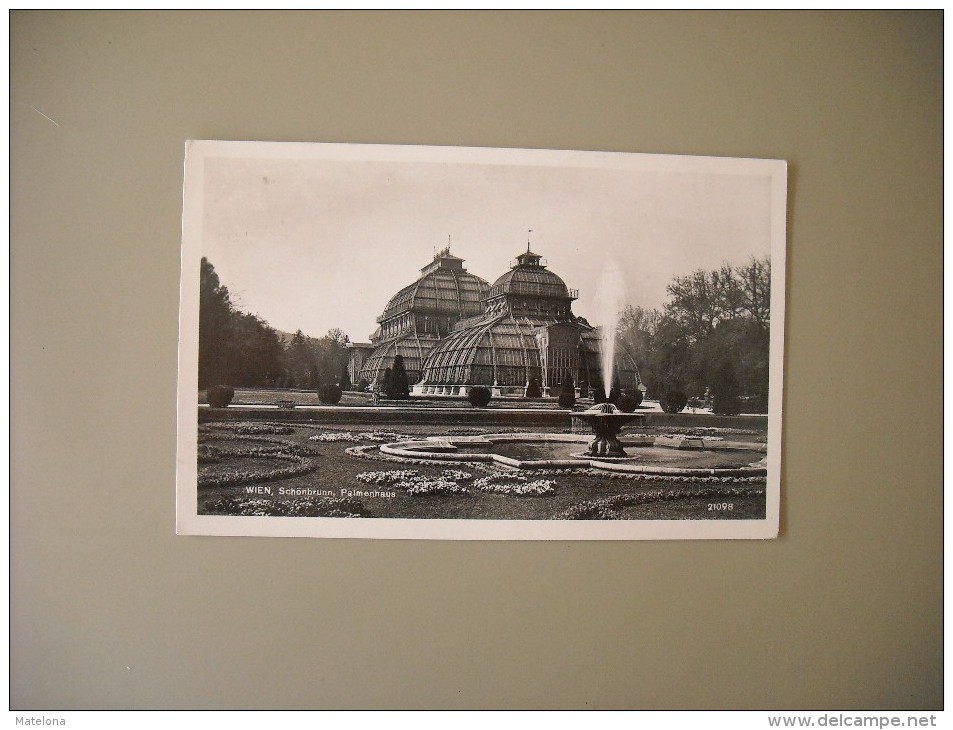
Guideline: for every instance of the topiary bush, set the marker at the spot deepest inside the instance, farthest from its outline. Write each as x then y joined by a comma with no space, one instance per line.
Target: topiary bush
479,396
567,395
583,389
219,396
387,384
726,404
400,386
673,401
533,390
363,385
629,402
329,394
637,396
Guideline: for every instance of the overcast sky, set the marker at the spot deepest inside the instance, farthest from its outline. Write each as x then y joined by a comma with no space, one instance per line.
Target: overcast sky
312,244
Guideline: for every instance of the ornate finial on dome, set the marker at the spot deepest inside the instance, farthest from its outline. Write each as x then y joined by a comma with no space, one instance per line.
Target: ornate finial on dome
527,239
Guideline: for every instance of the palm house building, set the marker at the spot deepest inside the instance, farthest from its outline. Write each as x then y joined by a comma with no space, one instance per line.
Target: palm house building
456,332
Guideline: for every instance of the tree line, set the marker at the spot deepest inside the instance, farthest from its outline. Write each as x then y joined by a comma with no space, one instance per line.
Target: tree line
241,349
710,342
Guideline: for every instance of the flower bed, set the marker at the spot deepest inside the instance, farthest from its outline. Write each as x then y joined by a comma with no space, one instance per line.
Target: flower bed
382,436
373,436
517,485
235,477
335,436
300,507
538,488
440,487
608,508
250,429
384,478
264,447
511,477
209,454
411,481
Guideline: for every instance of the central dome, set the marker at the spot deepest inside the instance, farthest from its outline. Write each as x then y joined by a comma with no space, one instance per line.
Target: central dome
529,277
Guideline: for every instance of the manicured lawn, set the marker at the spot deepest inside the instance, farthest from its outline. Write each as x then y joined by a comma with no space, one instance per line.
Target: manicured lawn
260,461
271,396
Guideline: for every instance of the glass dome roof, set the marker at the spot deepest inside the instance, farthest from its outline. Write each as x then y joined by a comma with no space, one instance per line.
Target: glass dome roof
444,287
530,281
530,277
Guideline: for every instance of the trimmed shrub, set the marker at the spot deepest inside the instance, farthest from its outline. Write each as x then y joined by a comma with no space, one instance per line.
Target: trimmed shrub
637,396
219,396
533,390
598,395
363,385
725,388
479,396
387,385
614,395
567,395
628,402
583,389
673,401
726,404
754,404
399,386
345,380
329,394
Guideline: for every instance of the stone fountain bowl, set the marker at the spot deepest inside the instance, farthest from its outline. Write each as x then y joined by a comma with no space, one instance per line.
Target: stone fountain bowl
606,420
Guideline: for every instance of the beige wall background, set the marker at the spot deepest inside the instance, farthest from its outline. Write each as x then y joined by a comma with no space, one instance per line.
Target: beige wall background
109,609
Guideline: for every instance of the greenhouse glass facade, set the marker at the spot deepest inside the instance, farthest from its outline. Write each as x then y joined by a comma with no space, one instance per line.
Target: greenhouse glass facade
527,332
455,332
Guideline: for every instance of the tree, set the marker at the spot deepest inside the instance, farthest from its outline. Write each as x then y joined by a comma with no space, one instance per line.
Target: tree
215,311
255,355
755,278
330,355
387,384
694,304
301,362
733,361
345,380
639,334
713,334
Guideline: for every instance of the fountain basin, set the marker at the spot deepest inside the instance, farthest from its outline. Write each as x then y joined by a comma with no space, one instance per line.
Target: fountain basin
650,455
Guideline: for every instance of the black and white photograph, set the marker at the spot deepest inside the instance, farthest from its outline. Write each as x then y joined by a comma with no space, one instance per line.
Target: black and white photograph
471,343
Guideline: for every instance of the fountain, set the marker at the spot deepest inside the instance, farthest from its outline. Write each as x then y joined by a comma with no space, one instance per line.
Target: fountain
606,421
609,298
605,418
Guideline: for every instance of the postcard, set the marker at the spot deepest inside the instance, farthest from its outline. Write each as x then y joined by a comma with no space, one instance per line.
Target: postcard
408,342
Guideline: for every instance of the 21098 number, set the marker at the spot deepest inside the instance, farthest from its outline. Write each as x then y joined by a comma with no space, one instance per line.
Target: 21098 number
720,506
